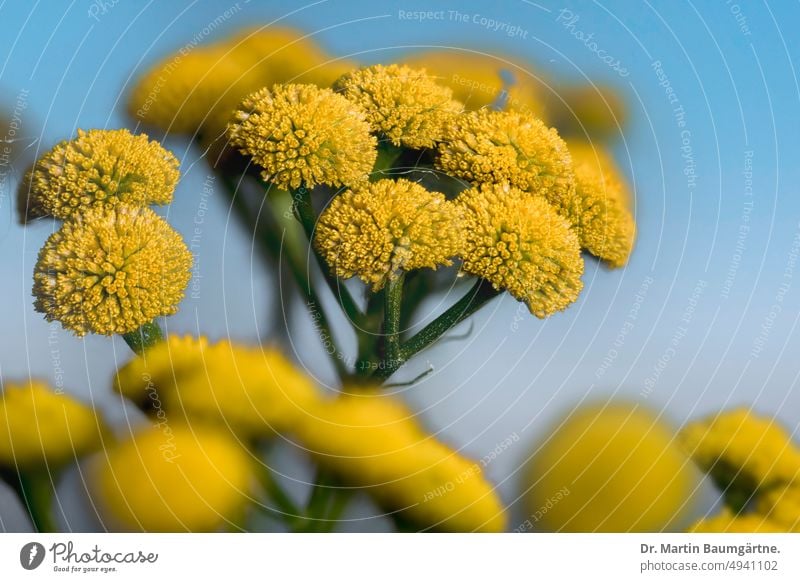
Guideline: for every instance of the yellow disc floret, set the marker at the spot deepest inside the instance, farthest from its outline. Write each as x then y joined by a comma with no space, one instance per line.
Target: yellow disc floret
304,135
253,390
111,270
520,244
610,468
508,147
181,479
406,105
371,440
743,452
376,230
600,211
102,168
41,429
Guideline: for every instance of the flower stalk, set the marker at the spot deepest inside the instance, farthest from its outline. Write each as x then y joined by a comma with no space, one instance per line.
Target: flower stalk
143,338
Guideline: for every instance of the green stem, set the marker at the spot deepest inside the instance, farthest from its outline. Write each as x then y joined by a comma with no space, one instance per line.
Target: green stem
480,294
388,154
36,493
391,317
304,211
145,337
289,513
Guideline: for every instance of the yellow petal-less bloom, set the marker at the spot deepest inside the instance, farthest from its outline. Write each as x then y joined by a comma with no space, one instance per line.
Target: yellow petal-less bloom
111,270
376,230
520,244
617,469
182,479
103,168
500,147
587,110
253,390
40,428
601,209
371,440
304,135
480,81
406,105
781,505
743,451
728,522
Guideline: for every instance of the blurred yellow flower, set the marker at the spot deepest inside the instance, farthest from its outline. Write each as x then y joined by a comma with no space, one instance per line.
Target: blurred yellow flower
508,147
620,468
601,210
406,105
378,229
781,505
102,168
372,440
743,452
589,110
29,207
172,479
304,135
481,80
252,390
111,270
43,429
520,244
728,522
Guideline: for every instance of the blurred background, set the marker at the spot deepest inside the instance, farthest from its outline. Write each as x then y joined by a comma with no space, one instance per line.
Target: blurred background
703,317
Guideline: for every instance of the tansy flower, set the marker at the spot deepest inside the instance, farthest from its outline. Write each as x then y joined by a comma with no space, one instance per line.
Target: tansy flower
610,468
520,244
41,429
102,168
304,135
111,270
781,505
251,389
404,104
600,211
480,81
371,440
173,479
587,110
728,522
508,147
378,229
742,452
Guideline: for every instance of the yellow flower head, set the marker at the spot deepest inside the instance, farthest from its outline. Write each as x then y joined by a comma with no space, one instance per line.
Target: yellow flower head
611,468
520,244
184,91
601,210
304,135
111,270
480,81
728,522
252,390
781,505
742,451
40,428
588,110
173,478
102,168
373,441
376,230
508,147
404,104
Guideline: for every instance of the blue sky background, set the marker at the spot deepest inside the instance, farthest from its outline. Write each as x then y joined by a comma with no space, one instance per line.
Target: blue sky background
739,89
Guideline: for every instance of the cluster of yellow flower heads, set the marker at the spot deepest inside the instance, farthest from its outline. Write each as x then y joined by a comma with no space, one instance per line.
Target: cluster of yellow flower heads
41,429
304,135
613,467
253,391
403,104
755,463
111,270
373,441
114,265
378,229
